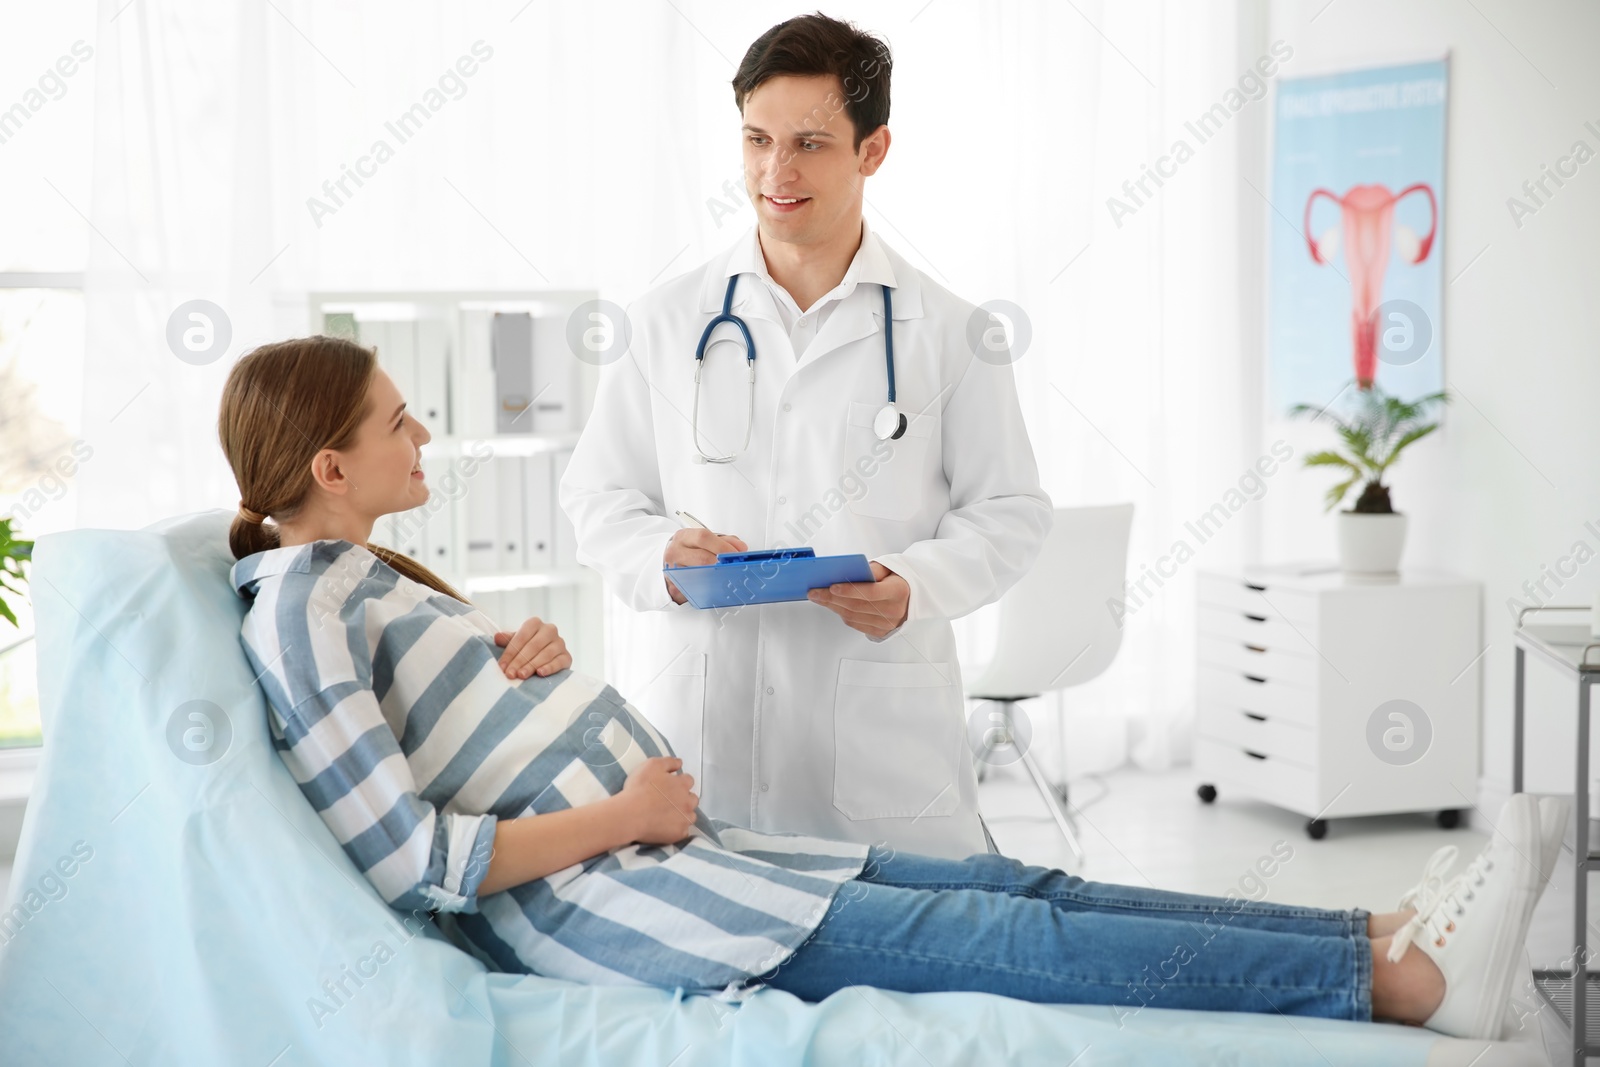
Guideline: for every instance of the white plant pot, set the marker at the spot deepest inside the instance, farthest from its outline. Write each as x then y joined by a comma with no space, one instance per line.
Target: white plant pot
1371,544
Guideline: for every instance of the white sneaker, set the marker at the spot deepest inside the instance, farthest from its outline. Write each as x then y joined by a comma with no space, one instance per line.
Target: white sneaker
1473,926
1554,811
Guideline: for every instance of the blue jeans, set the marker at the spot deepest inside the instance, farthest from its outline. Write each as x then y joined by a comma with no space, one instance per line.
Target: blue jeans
991,924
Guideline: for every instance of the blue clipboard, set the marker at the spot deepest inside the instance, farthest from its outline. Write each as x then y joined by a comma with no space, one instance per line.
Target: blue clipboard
768,577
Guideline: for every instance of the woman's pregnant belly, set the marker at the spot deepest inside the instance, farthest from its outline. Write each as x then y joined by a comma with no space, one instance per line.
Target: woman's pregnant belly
555,743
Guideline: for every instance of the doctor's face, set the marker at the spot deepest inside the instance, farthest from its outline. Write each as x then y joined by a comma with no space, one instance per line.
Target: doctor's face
801,169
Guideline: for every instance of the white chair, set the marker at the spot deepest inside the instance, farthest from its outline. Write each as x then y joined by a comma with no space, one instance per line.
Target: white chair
1056,630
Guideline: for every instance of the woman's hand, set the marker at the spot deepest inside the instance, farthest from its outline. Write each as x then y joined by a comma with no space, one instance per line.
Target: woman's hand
660,801
536,648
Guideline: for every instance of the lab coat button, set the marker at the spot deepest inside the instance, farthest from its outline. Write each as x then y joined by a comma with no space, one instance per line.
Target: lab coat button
783,500
788,407
763,787
769,693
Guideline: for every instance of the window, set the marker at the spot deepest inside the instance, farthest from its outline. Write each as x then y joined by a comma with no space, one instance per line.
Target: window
46,125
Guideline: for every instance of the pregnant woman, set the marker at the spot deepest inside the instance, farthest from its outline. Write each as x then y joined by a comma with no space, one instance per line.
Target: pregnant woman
469,771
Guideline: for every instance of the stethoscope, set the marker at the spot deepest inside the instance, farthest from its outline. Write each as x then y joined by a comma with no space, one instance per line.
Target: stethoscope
888,424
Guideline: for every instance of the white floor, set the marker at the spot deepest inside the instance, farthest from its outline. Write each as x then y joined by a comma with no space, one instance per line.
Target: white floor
1150,829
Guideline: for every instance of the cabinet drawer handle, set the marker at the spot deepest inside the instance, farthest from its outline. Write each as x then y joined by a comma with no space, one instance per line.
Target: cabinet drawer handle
1256,648
1254,755
1253,715
1256,678
1255,618
1254,588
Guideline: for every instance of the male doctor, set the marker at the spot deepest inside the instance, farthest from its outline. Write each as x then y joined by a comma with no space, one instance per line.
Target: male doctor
841,717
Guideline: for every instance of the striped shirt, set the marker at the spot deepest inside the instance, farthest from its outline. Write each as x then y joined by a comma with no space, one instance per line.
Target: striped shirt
388,706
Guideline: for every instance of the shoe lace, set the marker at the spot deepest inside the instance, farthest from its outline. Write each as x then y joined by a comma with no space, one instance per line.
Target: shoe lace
1437,916
1421,895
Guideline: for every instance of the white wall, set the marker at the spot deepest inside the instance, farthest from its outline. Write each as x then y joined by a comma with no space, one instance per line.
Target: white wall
1505,488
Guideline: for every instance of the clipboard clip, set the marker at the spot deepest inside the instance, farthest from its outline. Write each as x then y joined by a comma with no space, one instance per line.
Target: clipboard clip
764,555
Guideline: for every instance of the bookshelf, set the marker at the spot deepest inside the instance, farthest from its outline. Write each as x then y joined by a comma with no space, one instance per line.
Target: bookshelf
492,377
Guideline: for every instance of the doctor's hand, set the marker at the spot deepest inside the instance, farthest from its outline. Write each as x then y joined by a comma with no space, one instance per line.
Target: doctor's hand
658,802
536,648
696,547
875,608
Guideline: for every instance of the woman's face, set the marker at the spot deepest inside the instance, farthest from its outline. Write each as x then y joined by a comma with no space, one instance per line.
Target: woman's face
384,468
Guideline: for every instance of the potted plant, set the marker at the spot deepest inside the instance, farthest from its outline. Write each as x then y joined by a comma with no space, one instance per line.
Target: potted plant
13,554
1371,534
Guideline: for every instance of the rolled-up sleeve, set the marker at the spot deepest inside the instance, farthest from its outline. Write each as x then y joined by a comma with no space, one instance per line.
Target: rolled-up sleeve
349,765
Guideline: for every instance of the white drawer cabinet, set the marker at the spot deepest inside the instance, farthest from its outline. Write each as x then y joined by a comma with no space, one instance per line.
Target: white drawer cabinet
1333,696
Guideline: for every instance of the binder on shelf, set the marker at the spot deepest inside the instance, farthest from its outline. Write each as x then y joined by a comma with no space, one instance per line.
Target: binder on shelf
509,490
483,519
536,510
396,343
564,552
374,335
415,354
439,522
553,376
523,604
508,609
406,533
559,604
492,603
475,407
511,354
430,398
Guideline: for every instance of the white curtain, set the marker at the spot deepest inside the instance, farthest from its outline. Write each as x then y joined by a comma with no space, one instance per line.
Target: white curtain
590,149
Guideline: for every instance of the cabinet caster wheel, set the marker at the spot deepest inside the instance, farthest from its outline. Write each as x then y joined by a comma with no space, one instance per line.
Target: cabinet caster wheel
1207,793
1317,829
1449,818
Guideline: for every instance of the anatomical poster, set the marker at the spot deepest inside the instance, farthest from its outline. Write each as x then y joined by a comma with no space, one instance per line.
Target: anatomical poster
1356,240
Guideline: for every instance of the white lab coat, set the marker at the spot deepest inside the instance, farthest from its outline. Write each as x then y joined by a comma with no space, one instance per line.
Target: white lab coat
787,718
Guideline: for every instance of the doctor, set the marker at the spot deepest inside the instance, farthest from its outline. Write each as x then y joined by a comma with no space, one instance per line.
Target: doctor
842,717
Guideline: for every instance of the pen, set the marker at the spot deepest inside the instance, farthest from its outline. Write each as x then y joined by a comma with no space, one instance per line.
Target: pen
688,518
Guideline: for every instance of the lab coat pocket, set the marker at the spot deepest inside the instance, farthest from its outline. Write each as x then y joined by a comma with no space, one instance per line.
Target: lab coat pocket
675,705
895,473
897,739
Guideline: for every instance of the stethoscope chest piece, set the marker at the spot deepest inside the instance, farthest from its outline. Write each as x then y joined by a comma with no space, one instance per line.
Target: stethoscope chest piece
888,423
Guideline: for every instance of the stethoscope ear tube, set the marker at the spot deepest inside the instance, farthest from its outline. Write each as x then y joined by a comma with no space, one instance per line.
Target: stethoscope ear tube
889,424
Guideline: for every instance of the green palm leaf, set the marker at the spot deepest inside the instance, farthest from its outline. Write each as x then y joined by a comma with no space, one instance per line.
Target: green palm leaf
1416,434
14,552
1337,493
1329,459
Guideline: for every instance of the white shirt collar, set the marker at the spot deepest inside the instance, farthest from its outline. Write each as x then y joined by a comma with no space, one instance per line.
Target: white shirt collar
287,559
870,264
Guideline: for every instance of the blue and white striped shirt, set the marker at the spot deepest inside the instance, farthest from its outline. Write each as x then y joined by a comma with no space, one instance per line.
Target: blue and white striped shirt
390,709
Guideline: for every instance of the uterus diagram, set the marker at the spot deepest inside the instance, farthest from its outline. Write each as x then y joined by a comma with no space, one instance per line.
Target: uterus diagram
1366,230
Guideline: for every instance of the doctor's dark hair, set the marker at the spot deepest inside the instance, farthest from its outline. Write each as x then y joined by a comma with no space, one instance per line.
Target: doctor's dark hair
816,45
282,404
